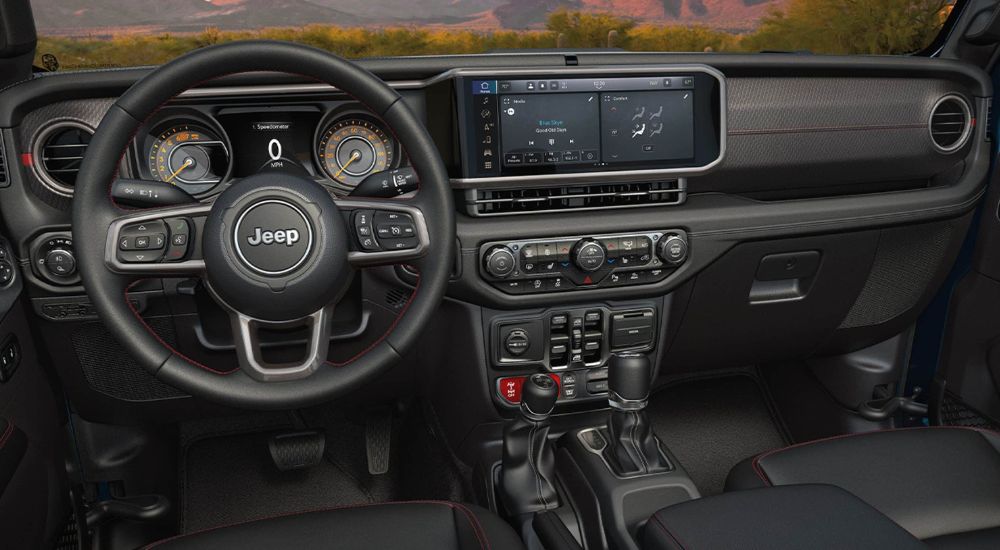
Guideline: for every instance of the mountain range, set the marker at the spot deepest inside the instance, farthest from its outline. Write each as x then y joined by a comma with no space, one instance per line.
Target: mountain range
68,17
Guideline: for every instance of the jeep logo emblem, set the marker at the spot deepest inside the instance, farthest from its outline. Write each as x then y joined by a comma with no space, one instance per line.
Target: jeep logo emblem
288,237
267,250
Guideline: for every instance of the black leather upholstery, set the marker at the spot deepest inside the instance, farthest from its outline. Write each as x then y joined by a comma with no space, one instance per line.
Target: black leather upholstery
778,518
420,525
940,484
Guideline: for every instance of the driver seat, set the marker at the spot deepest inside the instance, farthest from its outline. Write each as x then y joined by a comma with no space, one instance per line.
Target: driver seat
417,525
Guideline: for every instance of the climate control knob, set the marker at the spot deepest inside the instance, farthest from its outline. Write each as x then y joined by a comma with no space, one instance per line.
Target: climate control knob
499,262
588,255
673,250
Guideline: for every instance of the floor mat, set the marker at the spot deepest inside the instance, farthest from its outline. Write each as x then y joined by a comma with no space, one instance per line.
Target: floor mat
232,478
711,424
228,476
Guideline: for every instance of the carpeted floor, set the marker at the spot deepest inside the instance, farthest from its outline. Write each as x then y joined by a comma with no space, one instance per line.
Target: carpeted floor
711,424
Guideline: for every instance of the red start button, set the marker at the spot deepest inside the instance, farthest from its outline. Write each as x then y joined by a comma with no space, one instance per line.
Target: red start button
509,388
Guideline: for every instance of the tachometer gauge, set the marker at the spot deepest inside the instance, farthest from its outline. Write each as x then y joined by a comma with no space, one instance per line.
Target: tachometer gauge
189,156
352,148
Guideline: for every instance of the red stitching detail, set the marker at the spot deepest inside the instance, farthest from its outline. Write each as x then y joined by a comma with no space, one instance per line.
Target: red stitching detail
392,327
767,480
6,434
656,518
473,520
164,342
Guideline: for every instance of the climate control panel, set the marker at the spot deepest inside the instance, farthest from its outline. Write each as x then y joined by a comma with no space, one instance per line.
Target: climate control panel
583,262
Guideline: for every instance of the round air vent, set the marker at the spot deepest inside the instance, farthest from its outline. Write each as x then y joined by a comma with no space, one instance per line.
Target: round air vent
950,123
58,153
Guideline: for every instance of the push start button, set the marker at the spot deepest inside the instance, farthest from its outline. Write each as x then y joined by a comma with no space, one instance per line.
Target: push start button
517,342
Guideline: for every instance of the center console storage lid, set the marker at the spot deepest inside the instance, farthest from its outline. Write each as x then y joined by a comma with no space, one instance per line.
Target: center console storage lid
776,518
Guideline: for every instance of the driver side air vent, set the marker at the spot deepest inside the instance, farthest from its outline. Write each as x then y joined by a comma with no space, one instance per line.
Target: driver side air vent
58,153
530,200
951,123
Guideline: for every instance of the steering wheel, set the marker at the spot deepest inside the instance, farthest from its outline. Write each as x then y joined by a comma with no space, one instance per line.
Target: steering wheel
276,249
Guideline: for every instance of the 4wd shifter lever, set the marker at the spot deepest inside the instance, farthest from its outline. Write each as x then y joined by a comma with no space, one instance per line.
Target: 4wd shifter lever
527,482
634,447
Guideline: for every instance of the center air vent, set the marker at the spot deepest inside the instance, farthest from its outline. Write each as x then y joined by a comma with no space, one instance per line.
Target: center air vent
493,202
951,123
58,153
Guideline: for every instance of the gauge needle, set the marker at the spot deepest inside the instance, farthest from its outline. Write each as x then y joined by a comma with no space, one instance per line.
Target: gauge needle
187,162
354,156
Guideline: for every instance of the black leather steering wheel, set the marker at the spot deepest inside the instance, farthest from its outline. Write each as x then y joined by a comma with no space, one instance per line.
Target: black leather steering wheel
274,248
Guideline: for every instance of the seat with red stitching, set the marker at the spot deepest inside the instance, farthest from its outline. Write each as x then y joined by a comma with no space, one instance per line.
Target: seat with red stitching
426,524
933,481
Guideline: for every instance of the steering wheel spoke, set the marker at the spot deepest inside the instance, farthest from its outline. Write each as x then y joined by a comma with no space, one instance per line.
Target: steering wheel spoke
386,232
247,336
157,242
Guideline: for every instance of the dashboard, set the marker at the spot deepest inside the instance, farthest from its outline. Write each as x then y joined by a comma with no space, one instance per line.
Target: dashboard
714,210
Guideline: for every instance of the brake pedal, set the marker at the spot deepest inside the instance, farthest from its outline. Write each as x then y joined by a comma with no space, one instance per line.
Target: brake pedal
297,450
378,442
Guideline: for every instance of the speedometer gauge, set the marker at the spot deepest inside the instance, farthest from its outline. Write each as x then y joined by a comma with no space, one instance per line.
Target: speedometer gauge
189,156
352,148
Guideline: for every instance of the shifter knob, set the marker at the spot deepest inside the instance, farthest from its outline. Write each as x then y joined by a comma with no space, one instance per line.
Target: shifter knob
538,397
629,378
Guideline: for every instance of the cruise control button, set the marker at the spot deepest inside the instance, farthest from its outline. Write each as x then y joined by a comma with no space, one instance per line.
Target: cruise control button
400,244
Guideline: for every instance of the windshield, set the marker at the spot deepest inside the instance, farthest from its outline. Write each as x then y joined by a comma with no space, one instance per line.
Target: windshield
80,34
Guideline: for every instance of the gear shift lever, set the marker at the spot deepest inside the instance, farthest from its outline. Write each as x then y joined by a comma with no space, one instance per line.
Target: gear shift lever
634,447
527,482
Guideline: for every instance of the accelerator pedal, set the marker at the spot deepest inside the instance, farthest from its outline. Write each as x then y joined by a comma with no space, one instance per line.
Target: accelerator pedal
378,441
297,450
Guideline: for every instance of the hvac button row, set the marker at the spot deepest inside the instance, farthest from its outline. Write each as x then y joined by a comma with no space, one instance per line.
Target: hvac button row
560,283
155,241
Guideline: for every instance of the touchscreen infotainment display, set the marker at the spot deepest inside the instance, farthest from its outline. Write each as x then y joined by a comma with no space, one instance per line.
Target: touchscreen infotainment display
647,125
541,126
536,128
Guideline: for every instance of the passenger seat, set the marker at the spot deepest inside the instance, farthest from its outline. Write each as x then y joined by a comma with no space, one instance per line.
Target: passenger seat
942,484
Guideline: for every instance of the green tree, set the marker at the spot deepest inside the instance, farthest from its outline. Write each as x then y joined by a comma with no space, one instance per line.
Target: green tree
588,30
850,26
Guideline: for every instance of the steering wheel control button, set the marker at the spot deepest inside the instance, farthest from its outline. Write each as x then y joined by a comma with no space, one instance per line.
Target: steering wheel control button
364,230
673,250
500,262
141,242
179,237
395,230
273,237
6,273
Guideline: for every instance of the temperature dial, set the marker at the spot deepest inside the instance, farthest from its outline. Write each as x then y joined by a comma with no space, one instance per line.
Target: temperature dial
589,255
499,262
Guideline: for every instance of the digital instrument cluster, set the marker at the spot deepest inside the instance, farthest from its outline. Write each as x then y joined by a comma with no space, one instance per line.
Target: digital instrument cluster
197,151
